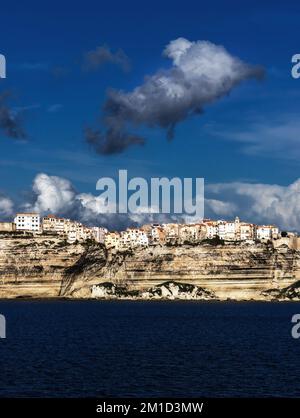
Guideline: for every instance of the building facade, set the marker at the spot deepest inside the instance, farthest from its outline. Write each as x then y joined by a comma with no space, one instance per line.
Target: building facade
266,232
112,240
132,238
30,222
54,224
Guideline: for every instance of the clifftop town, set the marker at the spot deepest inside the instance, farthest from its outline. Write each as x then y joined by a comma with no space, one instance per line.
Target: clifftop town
146,235
210,260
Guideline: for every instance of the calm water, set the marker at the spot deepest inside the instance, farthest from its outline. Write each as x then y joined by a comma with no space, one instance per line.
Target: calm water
90,348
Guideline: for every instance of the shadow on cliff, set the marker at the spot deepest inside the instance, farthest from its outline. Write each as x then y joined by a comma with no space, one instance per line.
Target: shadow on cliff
90,263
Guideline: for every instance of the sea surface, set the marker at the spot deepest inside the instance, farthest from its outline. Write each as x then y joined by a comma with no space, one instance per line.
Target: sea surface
131,349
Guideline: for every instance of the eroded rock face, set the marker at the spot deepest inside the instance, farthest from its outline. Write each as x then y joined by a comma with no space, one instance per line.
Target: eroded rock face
88,266
229,271
291,292
173,290
46,266
109,290
167,290
34,267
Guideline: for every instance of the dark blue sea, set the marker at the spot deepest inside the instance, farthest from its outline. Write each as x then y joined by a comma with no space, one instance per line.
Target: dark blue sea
148,349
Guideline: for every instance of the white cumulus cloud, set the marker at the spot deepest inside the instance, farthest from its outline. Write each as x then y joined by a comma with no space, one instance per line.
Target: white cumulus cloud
6,206
53,194
261,203
254,202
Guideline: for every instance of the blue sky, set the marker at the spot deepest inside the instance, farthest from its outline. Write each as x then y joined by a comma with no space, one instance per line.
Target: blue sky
232,141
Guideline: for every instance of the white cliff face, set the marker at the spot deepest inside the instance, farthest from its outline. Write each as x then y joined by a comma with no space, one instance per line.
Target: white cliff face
173,290
187,272
108,290
104,291
167,290
34,266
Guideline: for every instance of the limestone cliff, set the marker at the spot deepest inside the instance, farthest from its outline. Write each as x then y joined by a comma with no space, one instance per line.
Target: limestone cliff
46,266
239,272
34,266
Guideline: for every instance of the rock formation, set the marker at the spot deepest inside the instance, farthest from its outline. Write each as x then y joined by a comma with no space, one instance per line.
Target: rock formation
47,266
167,290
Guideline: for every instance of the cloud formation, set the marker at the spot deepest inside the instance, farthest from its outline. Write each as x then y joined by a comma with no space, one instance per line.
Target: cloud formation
115,141
10,122
201,73
261,203
274,137
220,208
52,194
6,207
95,59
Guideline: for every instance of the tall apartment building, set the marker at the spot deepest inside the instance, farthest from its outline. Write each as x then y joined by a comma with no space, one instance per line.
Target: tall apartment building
30,222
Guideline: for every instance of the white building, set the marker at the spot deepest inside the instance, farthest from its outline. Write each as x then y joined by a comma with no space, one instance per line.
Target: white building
229,230
232,230
158,235
275,232
77,232
211,229
247,231
132,238
30,222
171,231
221,229
266,232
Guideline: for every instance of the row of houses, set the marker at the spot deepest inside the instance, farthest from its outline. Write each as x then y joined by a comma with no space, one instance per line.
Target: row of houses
154,234
72,230
75,231
239,231
174,233
129,239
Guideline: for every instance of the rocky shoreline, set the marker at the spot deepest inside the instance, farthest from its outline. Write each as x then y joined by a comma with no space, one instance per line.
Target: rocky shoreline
178,291
168,290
